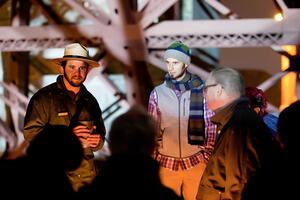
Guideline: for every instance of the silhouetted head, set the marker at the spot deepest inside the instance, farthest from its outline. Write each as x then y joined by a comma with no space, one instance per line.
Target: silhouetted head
56,146
133,133
287,126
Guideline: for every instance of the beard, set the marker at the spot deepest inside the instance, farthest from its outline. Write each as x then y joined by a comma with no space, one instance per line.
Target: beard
183,70
71,82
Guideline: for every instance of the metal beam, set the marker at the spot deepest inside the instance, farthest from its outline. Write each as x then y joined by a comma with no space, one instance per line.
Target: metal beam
153,10
77,5
142,5
27,38
137,79
272,81
114,8
197,34
97,11
216,33
104,79
9,136
272,109
205,10
51,16
17,103
222,9
109,34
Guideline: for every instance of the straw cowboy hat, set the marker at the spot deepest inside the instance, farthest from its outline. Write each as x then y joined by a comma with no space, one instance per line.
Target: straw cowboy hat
76,51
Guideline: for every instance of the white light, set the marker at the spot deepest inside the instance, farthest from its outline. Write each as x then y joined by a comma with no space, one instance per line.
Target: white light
278,17
86,4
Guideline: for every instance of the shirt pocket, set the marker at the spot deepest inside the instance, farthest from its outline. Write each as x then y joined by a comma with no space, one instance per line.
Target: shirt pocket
60,115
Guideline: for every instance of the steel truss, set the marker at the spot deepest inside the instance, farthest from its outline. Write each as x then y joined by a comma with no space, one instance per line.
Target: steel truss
138,39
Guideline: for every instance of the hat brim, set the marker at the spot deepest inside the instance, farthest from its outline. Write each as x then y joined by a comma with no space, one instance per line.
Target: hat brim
91,63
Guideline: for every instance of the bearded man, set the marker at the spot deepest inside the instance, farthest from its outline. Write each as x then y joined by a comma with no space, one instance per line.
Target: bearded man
68,102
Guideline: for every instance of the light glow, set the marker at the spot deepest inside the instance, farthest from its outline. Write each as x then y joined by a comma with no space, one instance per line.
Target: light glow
278,17
288,82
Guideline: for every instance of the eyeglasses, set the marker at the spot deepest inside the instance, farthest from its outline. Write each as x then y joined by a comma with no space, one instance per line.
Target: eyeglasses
207,86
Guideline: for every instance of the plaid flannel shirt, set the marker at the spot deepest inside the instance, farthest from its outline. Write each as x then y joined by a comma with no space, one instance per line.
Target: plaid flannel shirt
189,162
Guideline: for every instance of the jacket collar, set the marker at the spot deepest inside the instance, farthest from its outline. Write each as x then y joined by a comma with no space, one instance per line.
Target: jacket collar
224,113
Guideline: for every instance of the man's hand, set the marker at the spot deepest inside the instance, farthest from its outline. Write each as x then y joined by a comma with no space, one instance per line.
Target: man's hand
93,139
82,132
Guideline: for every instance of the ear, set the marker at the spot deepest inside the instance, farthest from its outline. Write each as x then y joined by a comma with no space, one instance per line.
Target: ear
219,90
61,70
89,69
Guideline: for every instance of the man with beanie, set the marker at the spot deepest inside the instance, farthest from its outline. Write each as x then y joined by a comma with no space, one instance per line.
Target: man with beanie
185,134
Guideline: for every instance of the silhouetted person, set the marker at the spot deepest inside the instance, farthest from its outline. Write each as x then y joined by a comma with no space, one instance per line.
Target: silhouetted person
288,129
42,172
279,181
289,136
130,172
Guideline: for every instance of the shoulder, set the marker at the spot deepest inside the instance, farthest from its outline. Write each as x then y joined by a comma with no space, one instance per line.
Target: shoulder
158,90
89,97
160,87
45,92
245,118
196,79
242,112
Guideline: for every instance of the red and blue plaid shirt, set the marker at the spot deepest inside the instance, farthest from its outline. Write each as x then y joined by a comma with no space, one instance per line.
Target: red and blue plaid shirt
189,162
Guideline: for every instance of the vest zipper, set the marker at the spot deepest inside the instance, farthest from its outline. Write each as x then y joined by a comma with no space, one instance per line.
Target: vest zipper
179,141
184,107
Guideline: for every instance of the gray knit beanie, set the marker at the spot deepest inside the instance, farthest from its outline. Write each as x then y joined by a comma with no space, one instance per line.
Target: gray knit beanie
179,51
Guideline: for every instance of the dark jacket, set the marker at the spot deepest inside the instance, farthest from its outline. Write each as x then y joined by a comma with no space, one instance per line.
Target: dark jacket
243,145
52,105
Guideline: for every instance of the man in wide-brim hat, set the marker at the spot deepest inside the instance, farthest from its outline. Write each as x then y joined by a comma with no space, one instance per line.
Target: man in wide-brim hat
76,51
68,102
